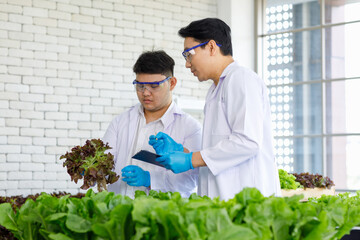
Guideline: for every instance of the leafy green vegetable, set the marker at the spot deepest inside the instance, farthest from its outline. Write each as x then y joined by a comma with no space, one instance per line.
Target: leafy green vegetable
77,224
91,163
308,180
287,181
7,216
233,232
59,236
159,215
303,180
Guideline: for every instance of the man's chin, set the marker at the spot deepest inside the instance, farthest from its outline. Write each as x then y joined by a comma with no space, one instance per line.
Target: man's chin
149,107
202,79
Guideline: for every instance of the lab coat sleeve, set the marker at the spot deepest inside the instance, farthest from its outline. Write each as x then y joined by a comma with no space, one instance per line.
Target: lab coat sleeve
243,108
185,182
110,137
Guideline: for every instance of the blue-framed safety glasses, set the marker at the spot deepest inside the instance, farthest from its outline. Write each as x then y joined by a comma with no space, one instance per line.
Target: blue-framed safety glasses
190,51
150,86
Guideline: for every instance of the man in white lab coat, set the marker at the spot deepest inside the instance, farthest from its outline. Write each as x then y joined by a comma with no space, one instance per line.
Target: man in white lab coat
129,132
237,149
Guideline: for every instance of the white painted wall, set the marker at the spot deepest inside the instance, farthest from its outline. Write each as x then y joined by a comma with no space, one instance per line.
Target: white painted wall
239,15
66,71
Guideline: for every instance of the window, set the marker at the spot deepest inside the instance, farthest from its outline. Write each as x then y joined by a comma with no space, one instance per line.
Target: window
309,57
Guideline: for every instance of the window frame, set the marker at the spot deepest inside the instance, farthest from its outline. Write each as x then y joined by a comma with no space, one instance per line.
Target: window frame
260,15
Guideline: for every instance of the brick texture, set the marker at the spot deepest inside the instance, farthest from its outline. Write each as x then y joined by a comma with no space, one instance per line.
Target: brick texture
66,72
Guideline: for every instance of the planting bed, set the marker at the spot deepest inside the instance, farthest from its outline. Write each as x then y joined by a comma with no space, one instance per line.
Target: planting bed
249,215
17,201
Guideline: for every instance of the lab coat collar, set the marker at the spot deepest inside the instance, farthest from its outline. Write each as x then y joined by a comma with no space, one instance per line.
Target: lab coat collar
213,91
168,116
227,70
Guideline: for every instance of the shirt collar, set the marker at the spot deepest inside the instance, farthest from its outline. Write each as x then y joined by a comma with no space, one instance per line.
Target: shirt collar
168,116
227,70
141,110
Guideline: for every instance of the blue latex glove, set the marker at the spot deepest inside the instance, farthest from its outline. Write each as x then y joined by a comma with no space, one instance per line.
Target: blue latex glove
177,162
163,144
135,176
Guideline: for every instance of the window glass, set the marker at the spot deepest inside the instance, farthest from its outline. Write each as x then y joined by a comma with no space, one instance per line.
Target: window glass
343,161
342,51
342,106
297,155
312,72
295,109
287,15
341,11
292,57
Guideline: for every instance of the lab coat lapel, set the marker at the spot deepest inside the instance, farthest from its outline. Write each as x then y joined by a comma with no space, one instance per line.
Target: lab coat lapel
207,184
132,128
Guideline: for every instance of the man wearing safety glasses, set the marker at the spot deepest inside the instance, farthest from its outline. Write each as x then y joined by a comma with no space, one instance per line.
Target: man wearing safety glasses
237,148
129,132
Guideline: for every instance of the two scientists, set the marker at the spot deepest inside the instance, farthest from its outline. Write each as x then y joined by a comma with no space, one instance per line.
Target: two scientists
237,143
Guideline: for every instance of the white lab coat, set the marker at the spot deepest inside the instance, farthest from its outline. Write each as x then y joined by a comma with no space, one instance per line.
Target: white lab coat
121,137
237,141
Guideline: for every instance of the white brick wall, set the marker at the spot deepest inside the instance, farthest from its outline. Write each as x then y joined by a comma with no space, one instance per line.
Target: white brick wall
66,72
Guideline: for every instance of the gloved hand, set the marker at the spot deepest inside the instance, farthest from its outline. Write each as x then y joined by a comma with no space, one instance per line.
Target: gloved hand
177,162
135,176
163,144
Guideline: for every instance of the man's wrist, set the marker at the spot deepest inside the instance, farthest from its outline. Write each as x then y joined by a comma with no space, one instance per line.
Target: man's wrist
197,160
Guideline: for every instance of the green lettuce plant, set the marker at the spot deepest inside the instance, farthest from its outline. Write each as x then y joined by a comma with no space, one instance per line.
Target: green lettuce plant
158,215
287,181
308,180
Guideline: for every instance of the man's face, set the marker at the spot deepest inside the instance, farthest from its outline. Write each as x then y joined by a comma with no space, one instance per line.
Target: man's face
197,60
154,97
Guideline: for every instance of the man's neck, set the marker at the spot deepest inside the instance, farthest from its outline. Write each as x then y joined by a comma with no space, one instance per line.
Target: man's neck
153,116
226,61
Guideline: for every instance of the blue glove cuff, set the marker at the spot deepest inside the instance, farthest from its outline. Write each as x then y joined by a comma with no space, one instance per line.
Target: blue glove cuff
147,180
190,161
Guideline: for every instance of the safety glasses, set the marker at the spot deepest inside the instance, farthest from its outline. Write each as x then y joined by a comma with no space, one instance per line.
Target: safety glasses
190,51
150,86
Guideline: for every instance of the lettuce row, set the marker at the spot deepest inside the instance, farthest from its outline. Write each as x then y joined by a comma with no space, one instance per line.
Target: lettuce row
159,215
303,180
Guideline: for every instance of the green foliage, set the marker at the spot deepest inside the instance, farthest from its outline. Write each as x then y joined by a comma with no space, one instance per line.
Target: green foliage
308,180
303,180
287,181
160,215
91,163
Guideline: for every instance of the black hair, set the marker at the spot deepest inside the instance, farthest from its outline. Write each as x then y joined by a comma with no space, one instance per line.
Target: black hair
155,62
210,29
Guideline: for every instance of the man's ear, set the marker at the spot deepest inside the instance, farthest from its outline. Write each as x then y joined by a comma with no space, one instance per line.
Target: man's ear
172,82
213,47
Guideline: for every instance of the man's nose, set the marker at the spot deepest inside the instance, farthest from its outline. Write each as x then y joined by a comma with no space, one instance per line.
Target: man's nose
187,64
146,91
